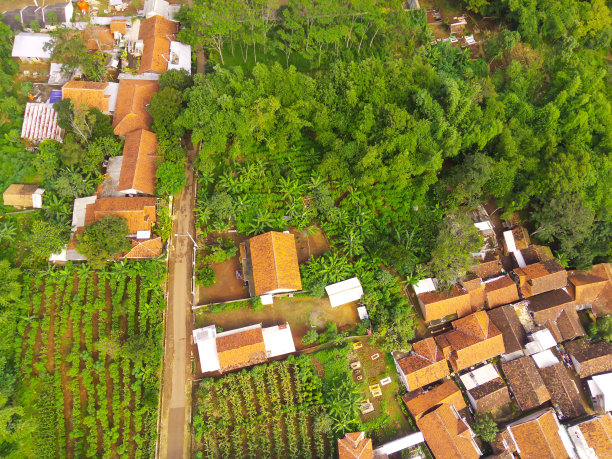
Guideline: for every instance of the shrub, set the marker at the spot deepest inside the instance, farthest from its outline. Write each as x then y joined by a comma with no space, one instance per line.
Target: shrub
310,337
205,276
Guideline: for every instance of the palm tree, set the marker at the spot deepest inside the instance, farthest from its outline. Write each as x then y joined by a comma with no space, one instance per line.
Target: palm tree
7,231
563,259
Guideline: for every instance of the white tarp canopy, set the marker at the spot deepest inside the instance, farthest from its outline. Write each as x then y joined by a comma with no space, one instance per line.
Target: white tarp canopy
479,376
278,340
545,359
344,292
31,45
399,444
425,285
601,386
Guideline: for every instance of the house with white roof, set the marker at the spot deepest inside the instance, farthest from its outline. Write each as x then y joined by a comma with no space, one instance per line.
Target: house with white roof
240,348
31,46
344,292
601,391
539,341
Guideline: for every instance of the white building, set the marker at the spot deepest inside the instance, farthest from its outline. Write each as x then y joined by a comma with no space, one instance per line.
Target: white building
180,57
539,341
344,292
601,391
30,46
234,349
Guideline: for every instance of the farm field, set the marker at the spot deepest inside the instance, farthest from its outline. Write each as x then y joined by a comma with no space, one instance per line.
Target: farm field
268,411
90,357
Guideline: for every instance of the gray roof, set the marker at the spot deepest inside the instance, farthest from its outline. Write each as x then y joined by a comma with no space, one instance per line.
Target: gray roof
32,13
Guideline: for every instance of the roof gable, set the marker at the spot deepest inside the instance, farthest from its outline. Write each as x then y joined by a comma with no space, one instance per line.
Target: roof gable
139,163
539,436
598,434
355,445
274,262
447,393
526,383
131,111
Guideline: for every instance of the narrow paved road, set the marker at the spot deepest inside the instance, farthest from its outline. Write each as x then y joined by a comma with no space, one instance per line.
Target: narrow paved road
176,396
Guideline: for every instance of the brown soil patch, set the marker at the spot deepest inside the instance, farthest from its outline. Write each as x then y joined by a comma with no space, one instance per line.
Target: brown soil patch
310,245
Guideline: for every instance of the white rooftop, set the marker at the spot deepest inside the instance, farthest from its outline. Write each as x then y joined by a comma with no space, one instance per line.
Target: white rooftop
180,57
485,227
56,75
425,285
399,444
344,292
278,340
509,238
111,90
40,123
540,341
205,339
157,7
30,45
479,376
601,385
78,212
545,359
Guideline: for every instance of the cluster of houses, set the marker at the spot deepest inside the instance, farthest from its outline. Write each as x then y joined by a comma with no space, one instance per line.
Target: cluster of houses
128,190
515,348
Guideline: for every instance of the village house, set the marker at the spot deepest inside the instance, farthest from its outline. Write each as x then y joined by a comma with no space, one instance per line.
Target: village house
476,288
19,19
92,94
270,264
446,393
516,239
515,338
563,391
590,357
585,287
439,305
40,123
541,277
355,445
489,265
473,339
526,383
30,47
600,387
139,163
19,195
240,348
540,436
556,310
98,38
593,438
485,389
133,97
161,50
500,291
425,365
139,212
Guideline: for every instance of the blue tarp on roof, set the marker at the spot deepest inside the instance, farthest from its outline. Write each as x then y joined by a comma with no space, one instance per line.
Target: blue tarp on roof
56,94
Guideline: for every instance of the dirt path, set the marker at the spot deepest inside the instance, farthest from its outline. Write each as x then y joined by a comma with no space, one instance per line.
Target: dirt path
176,395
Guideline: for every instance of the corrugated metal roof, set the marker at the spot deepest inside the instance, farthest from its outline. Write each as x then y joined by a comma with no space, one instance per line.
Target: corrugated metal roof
40,123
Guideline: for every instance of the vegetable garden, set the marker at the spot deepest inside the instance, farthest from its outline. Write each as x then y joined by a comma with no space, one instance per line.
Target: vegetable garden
273,410
90,354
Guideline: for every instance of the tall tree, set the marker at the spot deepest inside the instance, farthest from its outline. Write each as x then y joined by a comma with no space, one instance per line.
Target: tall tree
103,240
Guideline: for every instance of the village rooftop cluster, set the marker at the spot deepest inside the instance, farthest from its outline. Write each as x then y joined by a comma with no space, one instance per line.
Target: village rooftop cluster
148,44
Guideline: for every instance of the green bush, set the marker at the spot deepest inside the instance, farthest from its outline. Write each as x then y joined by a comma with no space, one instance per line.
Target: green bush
206,276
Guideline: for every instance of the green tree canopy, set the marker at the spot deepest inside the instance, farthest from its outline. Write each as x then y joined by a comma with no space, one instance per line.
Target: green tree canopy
485,427
104,239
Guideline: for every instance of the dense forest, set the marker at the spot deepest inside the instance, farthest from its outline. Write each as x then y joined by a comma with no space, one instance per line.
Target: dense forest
386,145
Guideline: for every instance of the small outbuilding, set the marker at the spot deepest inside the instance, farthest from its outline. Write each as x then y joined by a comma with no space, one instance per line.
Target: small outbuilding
19,195
344,292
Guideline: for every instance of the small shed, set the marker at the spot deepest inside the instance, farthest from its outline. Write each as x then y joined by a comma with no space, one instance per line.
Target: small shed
19,195
344,292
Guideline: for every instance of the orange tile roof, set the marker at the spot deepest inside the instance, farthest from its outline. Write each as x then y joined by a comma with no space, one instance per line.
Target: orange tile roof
501,291
526,383
139,163
147,248
539,438
447,436
585,287
98,38
118,25
447,393
473,339
241,349
541,277
131,109
355,445
556,310
275,264
598,434
138,211
89,93
156,32
425,366
437,305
